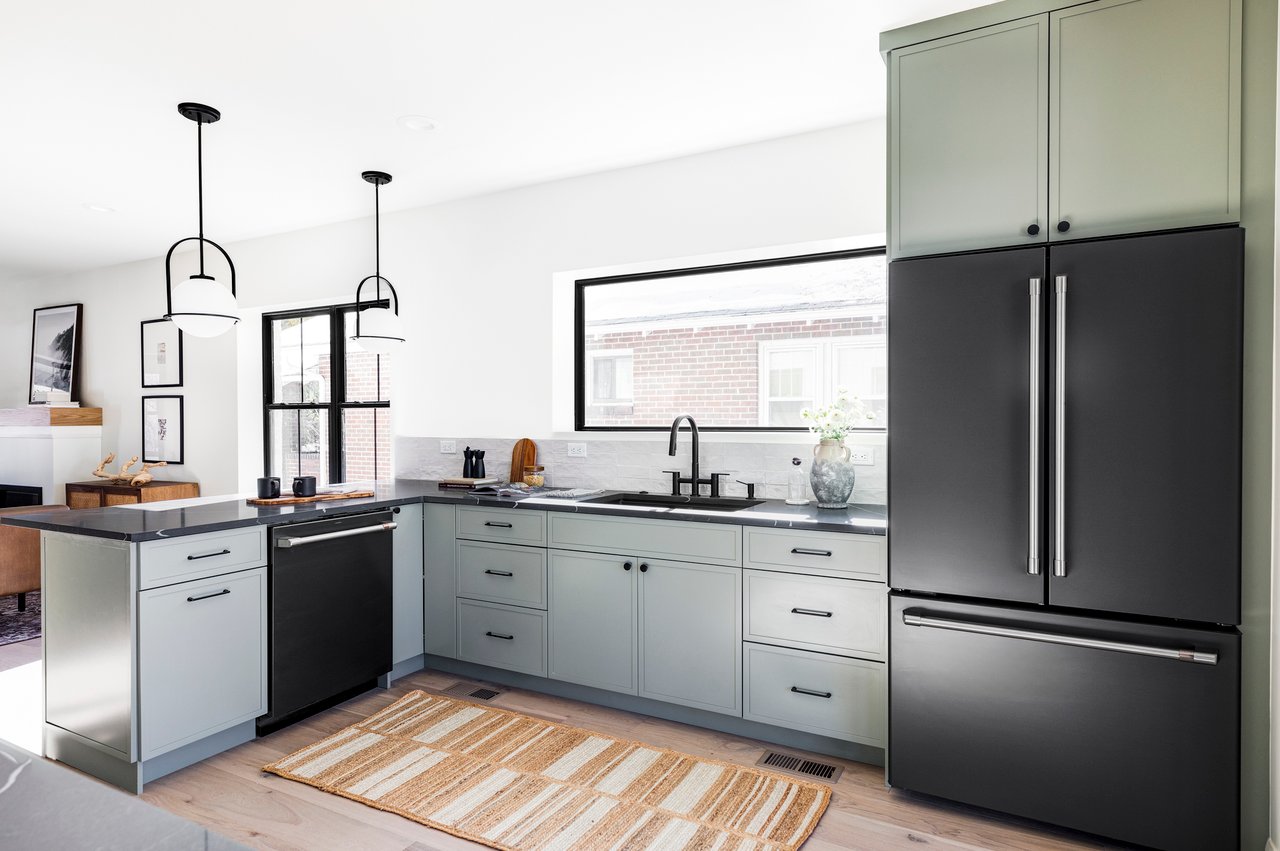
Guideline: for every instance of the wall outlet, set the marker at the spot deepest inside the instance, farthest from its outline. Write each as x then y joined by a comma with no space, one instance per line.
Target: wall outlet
577,450
865,455
448,447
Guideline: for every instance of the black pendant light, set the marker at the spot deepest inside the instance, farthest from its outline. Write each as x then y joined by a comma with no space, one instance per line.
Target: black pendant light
378,329
200,305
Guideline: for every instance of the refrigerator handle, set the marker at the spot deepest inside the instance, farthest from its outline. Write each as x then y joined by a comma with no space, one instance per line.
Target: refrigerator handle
1060,431
1201,657
1033,492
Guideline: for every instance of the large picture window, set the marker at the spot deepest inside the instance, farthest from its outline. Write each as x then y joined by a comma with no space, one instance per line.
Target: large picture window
327,408
741,347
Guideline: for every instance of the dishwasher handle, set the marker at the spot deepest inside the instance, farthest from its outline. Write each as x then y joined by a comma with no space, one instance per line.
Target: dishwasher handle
286,543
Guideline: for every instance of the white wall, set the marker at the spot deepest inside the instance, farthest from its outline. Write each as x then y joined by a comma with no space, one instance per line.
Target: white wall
476,279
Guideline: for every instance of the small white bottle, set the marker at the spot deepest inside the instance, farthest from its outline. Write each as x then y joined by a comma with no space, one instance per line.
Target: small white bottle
797,485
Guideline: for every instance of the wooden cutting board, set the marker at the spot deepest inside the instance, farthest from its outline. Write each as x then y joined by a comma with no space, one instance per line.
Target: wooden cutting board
523,454
320,497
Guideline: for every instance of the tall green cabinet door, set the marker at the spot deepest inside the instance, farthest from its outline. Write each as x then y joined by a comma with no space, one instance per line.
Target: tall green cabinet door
1145,116
968,140
591,626
691,634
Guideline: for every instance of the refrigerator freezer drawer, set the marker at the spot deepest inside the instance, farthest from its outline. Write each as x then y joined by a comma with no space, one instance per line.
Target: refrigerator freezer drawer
1125,730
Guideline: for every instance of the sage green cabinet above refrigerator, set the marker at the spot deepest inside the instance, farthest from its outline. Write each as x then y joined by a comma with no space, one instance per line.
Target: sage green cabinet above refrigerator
1084,120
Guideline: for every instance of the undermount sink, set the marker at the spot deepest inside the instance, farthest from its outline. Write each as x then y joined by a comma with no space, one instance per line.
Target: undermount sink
658,500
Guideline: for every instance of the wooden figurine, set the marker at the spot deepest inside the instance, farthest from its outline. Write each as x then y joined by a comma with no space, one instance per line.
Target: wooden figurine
141,477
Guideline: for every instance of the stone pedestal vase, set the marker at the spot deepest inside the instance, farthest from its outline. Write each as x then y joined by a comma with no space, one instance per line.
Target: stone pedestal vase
831,475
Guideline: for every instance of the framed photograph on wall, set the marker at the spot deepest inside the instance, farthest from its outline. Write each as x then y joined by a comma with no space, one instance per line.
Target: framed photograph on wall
55,354
161,353
162,429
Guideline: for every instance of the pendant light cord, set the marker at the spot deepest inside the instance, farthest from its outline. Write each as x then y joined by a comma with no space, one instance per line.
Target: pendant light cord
200,186
377,242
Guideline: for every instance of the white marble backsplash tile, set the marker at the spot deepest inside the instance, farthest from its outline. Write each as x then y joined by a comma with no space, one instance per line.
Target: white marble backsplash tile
635,465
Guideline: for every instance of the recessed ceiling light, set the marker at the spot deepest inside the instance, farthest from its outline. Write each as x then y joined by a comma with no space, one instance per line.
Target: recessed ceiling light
100,208
416,122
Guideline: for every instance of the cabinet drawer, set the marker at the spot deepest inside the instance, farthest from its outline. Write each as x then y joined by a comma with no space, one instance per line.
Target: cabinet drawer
501,573
815,613
503,525
841,698
502,636
201,658
709,543
182,559
820,553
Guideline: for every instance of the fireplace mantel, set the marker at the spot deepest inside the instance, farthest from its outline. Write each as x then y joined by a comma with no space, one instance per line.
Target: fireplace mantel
46,447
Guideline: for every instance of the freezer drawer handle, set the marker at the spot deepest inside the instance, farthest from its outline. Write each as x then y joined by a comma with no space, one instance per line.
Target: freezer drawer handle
500,635
811,692
209,596
286,543
1202,657
499,573
209,555
817,613
801,551
499,525
1033,488
1060,432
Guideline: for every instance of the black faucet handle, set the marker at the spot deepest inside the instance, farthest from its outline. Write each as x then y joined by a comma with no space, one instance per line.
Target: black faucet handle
751,488
675,481
715,484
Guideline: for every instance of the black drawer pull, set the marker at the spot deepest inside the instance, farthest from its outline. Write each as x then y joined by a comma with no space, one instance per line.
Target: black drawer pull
801,551
499,525
209,596
811,692
499,573
817,613
210,555
500,635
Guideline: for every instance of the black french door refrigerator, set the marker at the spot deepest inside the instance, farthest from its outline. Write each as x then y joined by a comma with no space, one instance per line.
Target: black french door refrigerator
1064,533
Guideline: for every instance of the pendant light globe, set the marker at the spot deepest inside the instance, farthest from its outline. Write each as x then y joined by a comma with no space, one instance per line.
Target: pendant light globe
381,331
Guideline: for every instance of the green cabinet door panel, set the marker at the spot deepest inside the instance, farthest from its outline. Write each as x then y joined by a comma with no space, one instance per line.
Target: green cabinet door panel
591,629
406,584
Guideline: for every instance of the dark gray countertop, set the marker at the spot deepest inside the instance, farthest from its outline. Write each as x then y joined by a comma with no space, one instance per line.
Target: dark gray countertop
132,524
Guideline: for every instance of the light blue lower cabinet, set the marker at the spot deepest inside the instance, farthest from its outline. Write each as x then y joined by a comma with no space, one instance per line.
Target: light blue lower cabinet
503,636
201,658
406,585
691,634
817,693
591,625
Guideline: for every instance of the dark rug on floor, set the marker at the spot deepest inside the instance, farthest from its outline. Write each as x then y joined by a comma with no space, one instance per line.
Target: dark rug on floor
19,626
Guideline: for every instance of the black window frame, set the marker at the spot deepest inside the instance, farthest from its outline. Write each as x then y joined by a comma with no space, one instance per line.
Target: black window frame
337,383
579,332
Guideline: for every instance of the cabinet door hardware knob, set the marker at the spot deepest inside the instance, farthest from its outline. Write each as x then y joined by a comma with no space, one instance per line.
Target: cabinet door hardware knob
499,525
811,692
1064,226
209,555
626,565
499,573
817,613
500,635
1032,230
644,568
209,596
801,551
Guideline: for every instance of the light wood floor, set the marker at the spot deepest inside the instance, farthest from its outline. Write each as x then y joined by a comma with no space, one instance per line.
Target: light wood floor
230,794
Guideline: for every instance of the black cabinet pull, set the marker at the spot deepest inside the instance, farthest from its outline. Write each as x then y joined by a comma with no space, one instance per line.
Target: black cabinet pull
801,551
500,635
210,555
499,573
811,692
209,596
817,613
1032,230
644,568
1064,226
499,525
626,565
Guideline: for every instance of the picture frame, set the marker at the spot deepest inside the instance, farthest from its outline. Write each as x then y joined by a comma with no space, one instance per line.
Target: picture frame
55,354
161,353
162,429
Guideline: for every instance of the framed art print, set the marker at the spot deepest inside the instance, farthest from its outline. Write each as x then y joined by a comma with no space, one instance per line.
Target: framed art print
161,353
55,354
162,429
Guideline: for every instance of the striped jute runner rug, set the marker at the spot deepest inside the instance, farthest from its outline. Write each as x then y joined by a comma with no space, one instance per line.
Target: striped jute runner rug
514,782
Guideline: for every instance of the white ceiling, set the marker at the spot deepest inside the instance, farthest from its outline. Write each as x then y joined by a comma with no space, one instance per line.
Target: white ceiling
310,91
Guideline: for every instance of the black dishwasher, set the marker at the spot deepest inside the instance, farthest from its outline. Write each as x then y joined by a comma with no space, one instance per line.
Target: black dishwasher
329,595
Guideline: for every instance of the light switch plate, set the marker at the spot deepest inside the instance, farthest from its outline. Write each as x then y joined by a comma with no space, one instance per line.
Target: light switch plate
577,450
864,455
448,447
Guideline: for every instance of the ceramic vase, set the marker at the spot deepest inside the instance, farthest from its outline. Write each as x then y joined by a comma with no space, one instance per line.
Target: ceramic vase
831,475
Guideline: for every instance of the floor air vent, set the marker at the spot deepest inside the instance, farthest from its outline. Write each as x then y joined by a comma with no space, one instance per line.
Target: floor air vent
472,691
793,764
